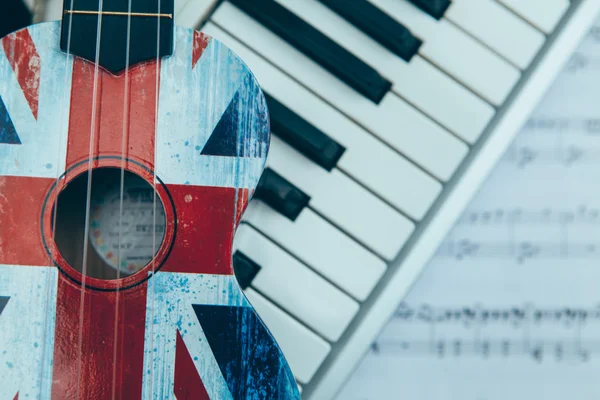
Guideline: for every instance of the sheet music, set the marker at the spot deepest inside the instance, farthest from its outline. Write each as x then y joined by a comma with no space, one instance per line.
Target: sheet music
510,305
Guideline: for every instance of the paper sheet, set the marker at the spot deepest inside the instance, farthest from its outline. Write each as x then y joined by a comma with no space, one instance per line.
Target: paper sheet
509,307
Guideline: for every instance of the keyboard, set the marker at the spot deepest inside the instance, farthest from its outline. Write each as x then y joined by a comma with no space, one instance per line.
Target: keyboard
386,117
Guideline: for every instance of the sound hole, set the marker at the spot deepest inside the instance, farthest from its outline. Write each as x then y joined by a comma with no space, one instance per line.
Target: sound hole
121,239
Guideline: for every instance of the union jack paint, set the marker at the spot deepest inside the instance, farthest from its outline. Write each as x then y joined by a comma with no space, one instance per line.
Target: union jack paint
196,127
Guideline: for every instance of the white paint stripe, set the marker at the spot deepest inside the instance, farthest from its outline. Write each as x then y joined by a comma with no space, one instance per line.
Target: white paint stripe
206,289
206,365
214,171
169,309
191,103
44,142
27,331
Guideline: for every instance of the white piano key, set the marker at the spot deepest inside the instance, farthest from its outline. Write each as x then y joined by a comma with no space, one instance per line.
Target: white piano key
30,4
190,13
178,5
422,84
295,288
457,53
53,10
321,246
508,35
303,350
342,201
393,120
544,14
366,159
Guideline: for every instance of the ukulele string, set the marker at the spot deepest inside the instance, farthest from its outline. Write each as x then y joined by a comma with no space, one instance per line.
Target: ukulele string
89,195
59,156
124,137
152,273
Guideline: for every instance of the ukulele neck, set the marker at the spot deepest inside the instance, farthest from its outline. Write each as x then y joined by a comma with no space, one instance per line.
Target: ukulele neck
128,32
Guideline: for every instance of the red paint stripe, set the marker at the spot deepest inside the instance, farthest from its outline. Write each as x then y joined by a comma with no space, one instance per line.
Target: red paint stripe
206,224
21,202
95,379
200,43
139,115
188,384
26,63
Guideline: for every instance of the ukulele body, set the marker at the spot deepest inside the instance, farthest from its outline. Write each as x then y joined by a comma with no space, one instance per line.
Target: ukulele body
195,127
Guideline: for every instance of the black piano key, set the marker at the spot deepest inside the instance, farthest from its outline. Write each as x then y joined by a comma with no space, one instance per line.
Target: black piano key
435,8
304,137
245,269
377,24
310,41
281,195
14,15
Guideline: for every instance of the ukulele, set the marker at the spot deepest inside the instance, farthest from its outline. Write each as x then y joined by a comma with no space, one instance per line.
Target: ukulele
117,110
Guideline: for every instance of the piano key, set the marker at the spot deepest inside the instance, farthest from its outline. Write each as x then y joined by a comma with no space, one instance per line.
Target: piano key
455,52
378,25
348,68
343,202
393,120
281,195
366,159
304,350
30,4
435,8
304,137
320,245
52,10
544,14
37,8
245,269
509,35
179,4
425,86
295,288
191,13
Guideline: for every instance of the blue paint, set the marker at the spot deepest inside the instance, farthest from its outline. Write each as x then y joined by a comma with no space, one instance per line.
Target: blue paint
27,366
255,132
252,366
8,133
3,302
224,138
240,133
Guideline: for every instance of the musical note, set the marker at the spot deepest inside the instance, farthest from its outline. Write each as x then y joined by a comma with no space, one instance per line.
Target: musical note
581,215
592,126
514,315
576,63
471,318
594,33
